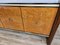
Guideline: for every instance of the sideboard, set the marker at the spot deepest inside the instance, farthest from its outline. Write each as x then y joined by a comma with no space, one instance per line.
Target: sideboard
36,20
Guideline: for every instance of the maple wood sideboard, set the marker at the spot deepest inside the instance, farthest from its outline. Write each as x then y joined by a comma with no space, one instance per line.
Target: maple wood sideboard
36,20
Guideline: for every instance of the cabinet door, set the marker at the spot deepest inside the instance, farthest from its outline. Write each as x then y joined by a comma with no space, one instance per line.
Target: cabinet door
38,20
11,18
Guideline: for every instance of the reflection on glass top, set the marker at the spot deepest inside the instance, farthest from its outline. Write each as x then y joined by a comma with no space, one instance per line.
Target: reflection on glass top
29,1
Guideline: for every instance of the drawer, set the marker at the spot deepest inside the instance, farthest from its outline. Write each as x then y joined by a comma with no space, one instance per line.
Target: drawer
38,20
11,18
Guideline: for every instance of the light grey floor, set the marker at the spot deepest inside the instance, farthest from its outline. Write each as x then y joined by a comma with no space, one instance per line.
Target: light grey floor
13,38
20,38
56,40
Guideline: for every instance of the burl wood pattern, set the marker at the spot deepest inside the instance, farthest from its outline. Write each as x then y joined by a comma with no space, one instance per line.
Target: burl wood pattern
38,20
11,18
1,25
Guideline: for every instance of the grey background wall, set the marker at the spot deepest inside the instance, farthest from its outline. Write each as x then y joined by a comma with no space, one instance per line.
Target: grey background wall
29,1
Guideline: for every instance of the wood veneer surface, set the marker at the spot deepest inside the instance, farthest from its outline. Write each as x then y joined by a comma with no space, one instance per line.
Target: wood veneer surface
11,18
38,20
34,20
1,25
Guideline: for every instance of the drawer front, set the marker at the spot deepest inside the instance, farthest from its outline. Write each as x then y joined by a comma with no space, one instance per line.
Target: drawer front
38,20
11,18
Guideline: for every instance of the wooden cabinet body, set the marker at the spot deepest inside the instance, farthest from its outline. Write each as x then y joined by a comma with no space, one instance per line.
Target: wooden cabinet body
28,19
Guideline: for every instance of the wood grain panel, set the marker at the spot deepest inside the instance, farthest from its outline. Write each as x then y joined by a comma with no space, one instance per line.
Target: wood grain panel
11,18
38,20
1,25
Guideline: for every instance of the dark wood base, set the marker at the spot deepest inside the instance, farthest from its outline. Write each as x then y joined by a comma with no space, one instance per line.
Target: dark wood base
54,28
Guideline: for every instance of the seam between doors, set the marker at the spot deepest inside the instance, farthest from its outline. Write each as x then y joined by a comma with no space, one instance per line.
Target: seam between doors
22,19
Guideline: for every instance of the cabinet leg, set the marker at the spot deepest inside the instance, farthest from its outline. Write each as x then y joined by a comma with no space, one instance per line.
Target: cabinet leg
54,28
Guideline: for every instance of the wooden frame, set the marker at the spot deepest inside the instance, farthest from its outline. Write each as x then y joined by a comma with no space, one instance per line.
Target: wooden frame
54,28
